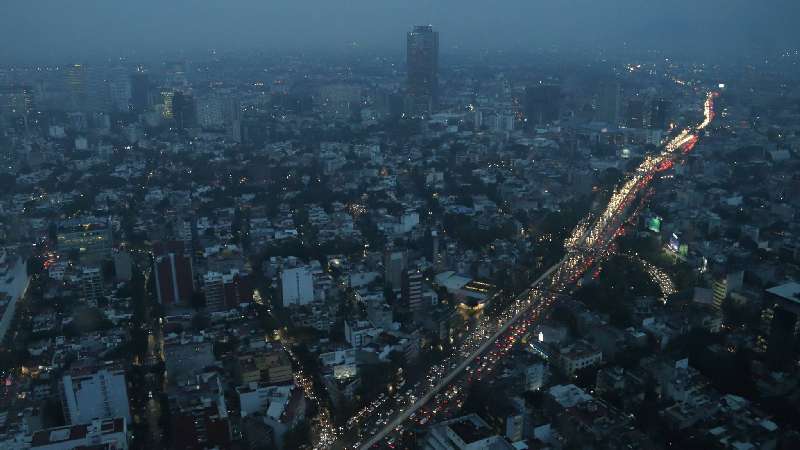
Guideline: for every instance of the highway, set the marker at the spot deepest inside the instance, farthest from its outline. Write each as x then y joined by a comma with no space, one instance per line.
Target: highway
589,243
404,415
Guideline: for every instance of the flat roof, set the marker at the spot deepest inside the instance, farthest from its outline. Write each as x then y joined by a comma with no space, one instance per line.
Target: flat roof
451,281
789,291
469,431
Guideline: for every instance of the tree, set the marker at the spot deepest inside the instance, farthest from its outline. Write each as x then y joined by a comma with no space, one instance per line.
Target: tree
198,300
297,437
200,321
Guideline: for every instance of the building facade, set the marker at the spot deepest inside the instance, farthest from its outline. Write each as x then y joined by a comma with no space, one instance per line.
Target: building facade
423,68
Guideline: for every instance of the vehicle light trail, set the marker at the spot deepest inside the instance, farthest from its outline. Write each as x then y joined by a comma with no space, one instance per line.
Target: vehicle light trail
657,275
492,338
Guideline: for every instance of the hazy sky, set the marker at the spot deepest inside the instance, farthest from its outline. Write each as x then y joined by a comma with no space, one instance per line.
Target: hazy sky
70,29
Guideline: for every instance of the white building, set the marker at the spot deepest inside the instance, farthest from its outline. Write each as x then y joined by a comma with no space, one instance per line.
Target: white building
335,358
360,333
297,286
101,394
345,371
257,398
579,356
106,434
569,395
534,377
210,112
14,281
408,221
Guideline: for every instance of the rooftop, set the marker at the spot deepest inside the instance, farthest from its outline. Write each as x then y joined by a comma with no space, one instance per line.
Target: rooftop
788,291
470,428
569,395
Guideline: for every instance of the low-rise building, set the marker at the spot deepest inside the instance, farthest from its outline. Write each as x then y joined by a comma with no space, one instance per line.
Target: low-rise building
105,434
578,356
465,433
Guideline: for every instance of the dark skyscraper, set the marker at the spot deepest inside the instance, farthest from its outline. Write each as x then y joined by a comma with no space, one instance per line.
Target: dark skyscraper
422,53
542,103
635,114
780,324
77,85
140,92
412,289
659,114
608,102
184,110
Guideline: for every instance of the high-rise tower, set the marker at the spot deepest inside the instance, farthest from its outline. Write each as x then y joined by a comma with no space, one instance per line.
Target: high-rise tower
609,102
422,53
542,103
140,91
77,85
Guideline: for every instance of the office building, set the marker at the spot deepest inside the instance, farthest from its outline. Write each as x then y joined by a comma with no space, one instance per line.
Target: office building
214,290
270,365
359,333
422,59
724,284
226,290
89,393
635,113
256,398
780,325
172,267
89,240
659,114
14,282
394,265
412,289
140,91
167,98
338,101
436,254
78,87
210,112
609,101
184,110
297,286
175,74
542,104
238,288
119,89
535,377
91,283
123,266
16,100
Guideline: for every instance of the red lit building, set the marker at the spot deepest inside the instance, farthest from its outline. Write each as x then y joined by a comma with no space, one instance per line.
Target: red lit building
172,267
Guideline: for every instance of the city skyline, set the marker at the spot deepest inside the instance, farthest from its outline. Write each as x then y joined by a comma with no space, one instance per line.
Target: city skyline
504,233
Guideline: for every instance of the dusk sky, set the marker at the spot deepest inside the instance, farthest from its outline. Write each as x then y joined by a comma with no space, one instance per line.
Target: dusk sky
56,29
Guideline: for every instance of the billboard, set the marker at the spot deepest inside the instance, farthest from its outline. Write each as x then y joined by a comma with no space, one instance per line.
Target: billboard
674,243
654,224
